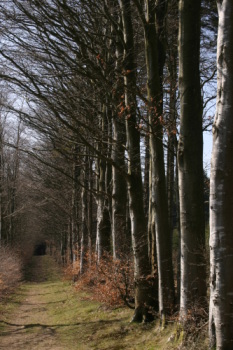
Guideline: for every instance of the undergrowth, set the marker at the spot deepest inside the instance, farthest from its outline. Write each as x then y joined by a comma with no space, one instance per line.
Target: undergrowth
108,280
82,322
10,270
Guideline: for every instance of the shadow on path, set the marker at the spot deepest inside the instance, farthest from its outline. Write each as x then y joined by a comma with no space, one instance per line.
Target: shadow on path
49,316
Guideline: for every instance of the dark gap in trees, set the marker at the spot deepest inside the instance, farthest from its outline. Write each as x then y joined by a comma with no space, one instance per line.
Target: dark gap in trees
40,249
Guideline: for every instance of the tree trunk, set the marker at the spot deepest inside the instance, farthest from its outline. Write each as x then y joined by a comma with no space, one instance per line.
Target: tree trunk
13,177
143,297
178,232
190,162
172,169
90,210
1,182
147,175
103,233
121,239
75,199
84,232
221,190
119,193
154,60
172,119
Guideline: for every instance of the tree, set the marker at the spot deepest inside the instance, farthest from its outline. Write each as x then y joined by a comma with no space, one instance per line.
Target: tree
143,296
155,53
120,235
190,154
221,189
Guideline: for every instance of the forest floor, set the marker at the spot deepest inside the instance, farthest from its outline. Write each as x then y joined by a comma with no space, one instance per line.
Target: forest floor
47,313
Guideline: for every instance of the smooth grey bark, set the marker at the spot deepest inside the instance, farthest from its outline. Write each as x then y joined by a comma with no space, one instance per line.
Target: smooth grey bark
90,209
172,169
84,230
190,160
155,54
143,297
63,247
103,232
13,175
172,119
150,217
171,147
178,233
1,181
146,175
119,190
221,190
75,201
70,242
120,238
108,173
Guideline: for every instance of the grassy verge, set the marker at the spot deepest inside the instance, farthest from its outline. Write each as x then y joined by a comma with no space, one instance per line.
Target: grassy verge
84,324
79,323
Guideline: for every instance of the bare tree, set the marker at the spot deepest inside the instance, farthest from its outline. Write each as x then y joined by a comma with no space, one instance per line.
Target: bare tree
221,189
190,154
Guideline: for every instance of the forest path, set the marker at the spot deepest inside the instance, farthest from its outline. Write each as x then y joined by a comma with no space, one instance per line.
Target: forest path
32,325
46,313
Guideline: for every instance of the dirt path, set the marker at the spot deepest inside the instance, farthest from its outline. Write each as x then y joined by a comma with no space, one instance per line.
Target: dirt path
28,327
31,326
47,314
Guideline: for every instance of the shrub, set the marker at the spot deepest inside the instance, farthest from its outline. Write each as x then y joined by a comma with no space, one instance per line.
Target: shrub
109,280
10,270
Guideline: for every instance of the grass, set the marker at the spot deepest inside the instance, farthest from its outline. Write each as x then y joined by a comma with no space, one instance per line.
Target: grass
10,303
83,324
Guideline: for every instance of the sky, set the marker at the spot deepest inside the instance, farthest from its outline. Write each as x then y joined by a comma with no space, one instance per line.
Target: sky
207,137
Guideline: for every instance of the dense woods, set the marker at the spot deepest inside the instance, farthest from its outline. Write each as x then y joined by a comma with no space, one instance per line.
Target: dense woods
102,113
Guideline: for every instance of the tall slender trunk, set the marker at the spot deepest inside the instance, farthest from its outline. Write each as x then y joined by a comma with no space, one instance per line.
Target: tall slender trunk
172,120
14,174
70,242
147,175
150,218
155,63
172,169
171,181
1,180
119,193
103,234
143,297
121,239
221,190
190,160
108,174
84,231
75,200
90,210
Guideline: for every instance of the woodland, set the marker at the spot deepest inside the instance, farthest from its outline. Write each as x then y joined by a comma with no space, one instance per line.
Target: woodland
103,106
